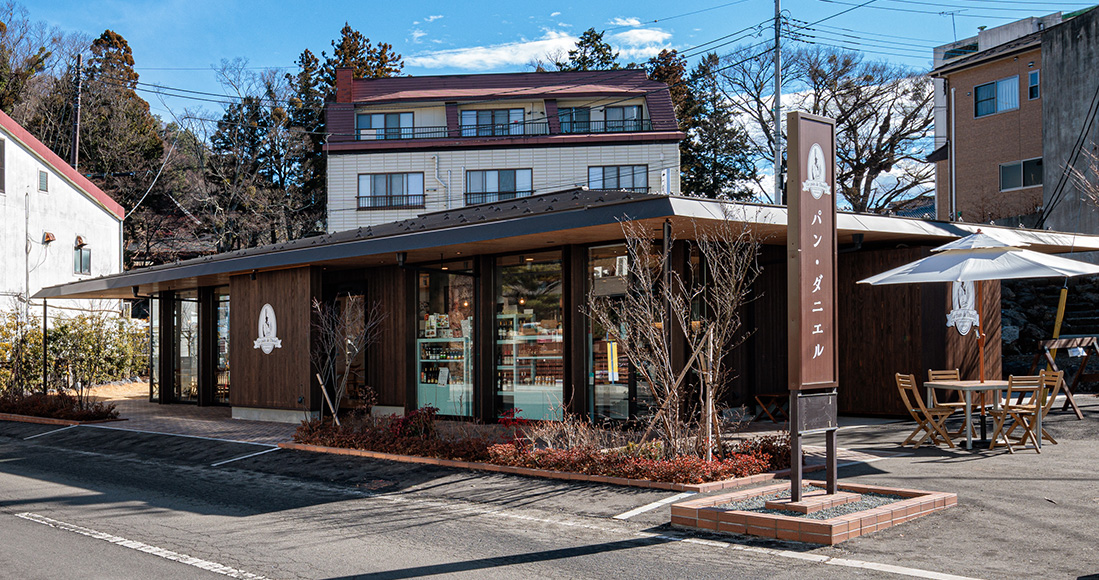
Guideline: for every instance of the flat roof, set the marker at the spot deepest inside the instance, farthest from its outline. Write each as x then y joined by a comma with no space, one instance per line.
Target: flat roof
576,216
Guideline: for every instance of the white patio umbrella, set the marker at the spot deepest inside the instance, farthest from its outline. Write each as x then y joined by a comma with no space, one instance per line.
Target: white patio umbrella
979,257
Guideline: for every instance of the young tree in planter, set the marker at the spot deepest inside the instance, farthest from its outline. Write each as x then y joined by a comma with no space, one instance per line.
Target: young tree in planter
662,305
343,330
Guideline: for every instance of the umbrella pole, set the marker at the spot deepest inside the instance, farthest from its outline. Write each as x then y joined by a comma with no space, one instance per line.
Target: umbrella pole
981,332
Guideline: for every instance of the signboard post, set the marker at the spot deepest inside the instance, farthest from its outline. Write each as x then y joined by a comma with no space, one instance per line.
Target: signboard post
811,295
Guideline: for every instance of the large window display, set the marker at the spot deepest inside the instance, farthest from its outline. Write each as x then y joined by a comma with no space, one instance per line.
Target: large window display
187,347
444,343
530,369
154,349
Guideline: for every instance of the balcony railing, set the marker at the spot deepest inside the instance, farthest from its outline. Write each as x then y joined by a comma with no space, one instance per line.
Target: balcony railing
409,200
505,130
495,196
633,189
624,126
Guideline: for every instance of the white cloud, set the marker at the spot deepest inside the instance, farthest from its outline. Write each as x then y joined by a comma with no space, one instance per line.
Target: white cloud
416,35
554,14
620,21
497,55
433,18
640,37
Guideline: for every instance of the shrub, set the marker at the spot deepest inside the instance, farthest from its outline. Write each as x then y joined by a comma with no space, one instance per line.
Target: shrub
59,406
775,447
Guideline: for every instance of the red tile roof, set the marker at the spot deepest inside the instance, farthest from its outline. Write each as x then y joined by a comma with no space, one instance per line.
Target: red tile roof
59,165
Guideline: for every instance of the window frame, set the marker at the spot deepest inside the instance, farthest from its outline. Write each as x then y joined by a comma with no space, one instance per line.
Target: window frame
511,127
412,199
82,259
3,167
486,196
1021,164
624,125
1034,85
569,124
43,181
995,97
385,132
618,177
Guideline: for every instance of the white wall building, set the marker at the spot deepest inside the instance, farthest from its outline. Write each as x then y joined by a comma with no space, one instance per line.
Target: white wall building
399,147
56,226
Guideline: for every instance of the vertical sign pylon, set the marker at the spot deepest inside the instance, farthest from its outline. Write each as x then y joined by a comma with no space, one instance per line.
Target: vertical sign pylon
811,293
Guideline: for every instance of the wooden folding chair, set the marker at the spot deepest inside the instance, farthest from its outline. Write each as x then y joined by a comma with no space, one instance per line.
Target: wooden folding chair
928,421
1052,383
956,405
1023,413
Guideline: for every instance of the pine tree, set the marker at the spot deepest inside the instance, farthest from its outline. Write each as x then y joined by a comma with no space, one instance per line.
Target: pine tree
715,156
670,68
366,61
591,53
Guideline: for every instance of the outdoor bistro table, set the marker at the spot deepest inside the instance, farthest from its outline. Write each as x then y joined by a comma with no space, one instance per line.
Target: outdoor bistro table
968,388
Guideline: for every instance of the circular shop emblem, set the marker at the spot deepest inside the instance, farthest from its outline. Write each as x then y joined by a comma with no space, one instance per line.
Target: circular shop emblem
964,315
268,328
817,185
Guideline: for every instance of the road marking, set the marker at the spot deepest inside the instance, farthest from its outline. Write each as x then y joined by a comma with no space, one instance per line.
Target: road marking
142,547
244,457
180,435
51,431
652,506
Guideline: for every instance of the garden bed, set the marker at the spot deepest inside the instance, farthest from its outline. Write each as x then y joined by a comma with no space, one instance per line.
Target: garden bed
55,409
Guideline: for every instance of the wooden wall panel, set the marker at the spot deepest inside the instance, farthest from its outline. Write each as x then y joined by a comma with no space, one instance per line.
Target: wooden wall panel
389,362
962,351
281,379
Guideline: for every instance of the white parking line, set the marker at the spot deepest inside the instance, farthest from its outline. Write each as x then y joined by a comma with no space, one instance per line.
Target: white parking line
244,457
652,506
180,435
142,547
51,431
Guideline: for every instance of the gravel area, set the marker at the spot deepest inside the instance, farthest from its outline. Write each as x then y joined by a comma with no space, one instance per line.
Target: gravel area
755,504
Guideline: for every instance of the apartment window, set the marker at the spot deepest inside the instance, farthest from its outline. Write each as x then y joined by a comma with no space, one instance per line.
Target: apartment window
372,126
575,119
43,181
633,177
490,122
990,98
1034,89
623,118
391,190
82,257
497,184
1027,173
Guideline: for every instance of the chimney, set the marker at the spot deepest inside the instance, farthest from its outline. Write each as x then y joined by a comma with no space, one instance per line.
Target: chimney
344,78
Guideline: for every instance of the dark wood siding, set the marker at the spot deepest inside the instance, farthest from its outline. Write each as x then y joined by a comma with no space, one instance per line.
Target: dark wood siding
389,361
279,379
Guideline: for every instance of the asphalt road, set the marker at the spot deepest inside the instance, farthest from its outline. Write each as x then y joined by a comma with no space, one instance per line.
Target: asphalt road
90,502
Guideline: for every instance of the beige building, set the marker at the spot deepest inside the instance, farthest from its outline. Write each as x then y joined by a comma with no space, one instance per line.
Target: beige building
400,147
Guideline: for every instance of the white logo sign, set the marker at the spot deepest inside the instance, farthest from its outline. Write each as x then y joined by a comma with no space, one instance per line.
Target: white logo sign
267,340
964,315
817,184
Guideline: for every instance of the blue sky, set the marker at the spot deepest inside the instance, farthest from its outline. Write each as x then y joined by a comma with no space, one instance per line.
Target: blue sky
176,43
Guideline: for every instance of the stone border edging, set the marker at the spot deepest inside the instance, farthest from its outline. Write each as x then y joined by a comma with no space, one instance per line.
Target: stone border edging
52,421
550,474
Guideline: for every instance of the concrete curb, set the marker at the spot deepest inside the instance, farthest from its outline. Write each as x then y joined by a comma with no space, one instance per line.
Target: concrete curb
52,421
545,473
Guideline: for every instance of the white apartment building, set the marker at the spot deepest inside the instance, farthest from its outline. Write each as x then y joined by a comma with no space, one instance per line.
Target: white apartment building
400,147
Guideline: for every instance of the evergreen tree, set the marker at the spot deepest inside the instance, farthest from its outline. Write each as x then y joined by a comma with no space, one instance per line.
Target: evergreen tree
714,156
366,61
591,53
670,68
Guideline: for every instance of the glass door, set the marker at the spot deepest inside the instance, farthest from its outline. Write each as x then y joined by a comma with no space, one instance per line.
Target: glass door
444,340
187,347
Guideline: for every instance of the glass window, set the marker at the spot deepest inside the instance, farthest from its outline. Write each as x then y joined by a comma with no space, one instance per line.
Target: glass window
3,170
82,259
530,370
632,177
575,119
1021,174
384,126
1034,89
43,181
609,373
1032,172
221,388
187,347
493,122
154,349
623,118
497,184
444,343
1002,95
391,190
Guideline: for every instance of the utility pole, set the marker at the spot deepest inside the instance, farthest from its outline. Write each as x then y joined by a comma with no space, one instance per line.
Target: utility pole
74,157
779,194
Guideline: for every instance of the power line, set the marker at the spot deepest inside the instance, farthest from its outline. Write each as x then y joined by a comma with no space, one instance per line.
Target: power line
914,11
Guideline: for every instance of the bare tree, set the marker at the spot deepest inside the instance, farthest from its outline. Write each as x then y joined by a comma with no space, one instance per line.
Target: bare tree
883,116
343,330
662,305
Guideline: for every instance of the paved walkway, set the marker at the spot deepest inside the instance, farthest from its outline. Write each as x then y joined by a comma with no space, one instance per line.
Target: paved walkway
213,422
